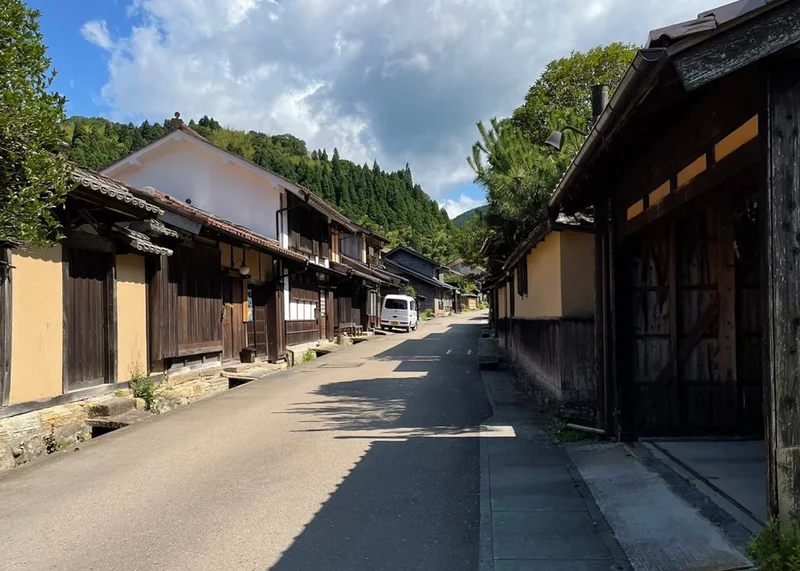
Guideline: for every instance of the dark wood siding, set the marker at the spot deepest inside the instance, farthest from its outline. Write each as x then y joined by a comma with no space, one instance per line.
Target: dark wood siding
351,246
88,322
233,327
198,274
409,260
185,303
309,231
557,356
303,288
349,302
276,339
257,328
299,332
696,368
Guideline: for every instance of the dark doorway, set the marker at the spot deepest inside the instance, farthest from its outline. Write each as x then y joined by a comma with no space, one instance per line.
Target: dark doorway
257,326
88,311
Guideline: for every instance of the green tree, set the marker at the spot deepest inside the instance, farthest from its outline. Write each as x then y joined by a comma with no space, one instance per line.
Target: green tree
563,92
510,160
34,178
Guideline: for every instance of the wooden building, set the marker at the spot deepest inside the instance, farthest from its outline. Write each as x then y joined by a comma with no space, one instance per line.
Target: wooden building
424,275
692,172
220,293
546,315
191,169
73,317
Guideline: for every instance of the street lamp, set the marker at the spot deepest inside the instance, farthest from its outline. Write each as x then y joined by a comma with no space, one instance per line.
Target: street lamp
599,103
556,138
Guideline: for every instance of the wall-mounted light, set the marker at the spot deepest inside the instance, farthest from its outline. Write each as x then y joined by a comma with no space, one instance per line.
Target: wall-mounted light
244,270
556,138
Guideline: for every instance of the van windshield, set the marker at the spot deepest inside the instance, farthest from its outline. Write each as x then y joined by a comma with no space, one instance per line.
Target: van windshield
396,304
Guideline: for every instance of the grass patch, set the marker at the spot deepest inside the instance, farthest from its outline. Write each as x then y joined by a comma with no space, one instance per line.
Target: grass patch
427,315
564,433
309,355
145,388
777,547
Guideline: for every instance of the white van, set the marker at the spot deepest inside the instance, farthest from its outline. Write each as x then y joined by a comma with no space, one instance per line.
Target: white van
399,311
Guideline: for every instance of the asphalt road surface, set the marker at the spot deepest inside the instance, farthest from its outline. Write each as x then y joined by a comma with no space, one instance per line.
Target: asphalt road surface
362,460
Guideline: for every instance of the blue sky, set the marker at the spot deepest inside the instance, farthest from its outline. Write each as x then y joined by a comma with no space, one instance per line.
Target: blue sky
393,80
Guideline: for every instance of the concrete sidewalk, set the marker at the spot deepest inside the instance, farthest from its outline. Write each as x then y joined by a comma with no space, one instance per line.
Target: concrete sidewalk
536,512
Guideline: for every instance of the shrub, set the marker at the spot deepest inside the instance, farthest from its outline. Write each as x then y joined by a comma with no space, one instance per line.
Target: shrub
777,547
143,387
427,315
309,355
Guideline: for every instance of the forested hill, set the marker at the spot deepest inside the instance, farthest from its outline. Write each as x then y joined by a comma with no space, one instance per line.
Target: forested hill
465,217
388,202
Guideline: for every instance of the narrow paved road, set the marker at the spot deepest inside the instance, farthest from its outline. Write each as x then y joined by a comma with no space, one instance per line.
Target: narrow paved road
362,460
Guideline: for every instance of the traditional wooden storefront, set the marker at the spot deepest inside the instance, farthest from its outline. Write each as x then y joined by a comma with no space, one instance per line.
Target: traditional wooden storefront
692,173
73,319
221,293
549,330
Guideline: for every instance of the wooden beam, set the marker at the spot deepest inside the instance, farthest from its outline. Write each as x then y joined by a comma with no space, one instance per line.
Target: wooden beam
739,46
5,325
673,320
738,167
667,373
600,224
111,321
780,287
711,117
726,285
92,242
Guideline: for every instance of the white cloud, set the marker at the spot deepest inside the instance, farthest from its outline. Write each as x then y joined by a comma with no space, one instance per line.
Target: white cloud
461,204
396,80
96,32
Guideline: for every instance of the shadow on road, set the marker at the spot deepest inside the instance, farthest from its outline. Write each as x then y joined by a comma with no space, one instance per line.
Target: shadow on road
412,501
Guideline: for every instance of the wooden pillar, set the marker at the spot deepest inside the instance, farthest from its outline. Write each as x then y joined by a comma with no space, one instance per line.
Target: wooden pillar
780,285
5,325
600,329
726,284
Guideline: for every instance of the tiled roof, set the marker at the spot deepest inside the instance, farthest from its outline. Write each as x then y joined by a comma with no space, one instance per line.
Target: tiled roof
359,268
224,226
112,188
414,253
139,241
419,276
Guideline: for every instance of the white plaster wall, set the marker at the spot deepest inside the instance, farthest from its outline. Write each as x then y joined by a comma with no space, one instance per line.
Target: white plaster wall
213,180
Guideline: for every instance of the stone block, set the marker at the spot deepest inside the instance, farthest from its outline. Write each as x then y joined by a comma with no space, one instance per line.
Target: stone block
109,407
20,425
139,404
62,415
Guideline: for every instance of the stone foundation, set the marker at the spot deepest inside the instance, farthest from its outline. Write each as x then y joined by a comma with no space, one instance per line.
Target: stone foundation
35,434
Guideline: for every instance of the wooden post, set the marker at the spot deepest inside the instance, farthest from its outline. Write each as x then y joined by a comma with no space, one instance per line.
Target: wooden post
726,284
5,325
780,286
600,378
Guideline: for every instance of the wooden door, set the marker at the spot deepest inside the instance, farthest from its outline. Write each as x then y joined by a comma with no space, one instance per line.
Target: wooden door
323,314
88,308
276,344
258,296
233,326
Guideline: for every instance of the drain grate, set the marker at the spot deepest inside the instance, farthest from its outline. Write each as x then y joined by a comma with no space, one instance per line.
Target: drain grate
340,365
